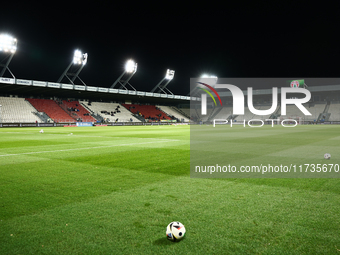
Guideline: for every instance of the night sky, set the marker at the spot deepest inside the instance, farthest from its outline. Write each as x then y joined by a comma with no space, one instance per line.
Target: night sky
228,40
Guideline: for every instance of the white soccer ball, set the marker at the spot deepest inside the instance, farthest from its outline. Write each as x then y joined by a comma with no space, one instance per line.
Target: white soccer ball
327,156
175,231
41,131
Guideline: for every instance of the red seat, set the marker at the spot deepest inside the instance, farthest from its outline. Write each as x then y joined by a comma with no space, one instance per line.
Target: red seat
79,111
147,111
51,108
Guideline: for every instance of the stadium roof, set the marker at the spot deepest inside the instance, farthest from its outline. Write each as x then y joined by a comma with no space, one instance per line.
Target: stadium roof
28,88
44,89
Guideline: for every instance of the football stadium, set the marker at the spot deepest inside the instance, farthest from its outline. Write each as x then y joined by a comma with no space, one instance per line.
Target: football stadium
104,170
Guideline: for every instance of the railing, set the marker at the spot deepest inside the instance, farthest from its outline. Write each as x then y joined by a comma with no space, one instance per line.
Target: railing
64,107
64,120
72,124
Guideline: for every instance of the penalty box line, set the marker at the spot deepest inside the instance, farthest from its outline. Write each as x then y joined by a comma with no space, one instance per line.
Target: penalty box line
87,148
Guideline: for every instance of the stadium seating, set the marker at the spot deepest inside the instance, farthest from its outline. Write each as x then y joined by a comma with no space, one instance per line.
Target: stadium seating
250,116
149,112
77,111
17,110
171,112
27,110
315,110
334,110
291,111
106,111
204,117
52,109
185,110
224,113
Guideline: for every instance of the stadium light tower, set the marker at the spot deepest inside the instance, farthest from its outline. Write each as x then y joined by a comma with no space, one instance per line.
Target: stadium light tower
166,80
206,78
129,71
78,62
8,45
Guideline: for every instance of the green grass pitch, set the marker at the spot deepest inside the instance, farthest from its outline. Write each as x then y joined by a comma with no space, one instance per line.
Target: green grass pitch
113,190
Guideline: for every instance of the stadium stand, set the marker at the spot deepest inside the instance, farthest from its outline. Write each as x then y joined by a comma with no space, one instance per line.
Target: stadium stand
334,111
108,111
291,111
205,117
227,113
149,112
186,111
17,110
77,111
52,109
315,110
192,113
224,113
172,112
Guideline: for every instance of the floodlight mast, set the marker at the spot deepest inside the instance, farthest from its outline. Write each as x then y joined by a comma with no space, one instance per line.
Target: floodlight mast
78,63
162,87
130,70
8,45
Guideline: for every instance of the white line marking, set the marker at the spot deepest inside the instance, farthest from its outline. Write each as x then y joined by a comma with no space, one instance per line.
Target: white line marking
75,149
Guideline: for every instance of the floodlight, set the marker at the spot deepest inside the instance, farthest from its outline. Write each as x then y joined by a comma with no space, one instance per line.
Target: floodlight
169,74
130,66
79,58
211,78
78,62
130,70
208,76
161,86
8,43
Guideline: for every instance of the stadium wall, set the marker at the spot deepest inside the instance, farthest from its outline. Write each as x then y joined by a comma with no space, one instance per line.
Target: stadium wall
23,125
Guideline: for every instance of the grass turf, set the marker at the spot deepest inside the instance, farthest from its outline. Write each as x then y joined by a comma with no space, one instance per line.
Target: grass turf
113,190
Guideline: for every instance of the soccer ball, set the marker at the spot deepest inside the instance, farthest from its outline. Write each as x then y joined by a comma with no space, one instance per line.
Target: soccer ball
327,156
41,131
175,231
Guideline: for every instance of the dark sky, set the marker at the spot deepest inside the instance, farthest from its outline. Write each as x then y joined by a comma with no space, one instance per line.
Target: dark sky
262,39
